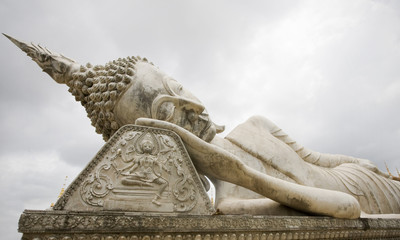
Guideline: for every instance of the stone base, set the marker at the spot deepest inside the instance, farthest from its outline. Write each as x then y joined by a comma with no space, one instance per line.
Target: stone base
67,225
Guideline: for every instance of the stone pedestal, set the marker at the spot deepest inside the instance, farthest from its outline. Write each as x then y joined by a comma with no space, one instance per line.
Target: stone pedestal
105,225
142,185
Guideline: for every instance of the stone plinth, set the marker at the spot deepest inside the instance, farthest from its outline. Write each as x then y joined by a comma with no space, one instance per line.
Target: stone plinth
54,225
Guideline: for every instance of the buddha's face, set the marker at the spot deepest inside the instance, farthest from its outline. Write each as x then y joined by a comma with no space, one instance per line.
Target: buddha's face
155,95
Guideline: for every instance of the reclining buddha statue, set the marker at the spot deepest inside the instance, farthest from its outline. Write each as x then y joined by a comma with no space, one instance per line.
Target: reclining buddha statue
256,169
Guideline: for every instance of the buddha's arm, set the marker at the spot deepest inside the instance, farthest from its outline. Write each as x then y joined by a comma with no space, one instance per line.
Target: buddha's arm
220,164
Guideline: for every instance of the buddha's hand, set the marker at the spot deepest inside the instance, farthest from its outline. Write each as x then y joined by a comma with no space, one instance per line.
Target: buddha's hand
188,137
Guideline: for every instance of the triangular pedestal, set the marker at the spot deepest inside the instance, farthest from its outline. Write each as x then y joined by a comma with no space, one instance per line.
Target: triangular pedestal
140,169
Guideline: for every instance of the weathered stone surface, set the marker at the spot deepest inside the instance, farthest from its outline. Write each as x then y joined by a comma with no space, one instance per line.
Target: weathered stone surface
140,169
256,169
119,225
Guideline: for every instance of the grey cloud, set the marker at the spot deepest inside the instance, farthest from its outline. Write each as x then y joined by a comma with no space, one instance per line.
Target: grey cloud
327,74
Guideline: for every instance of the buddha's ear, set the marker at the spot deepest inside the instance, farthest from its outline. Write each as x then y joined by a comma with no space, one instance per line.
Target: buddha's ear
165,111
163,107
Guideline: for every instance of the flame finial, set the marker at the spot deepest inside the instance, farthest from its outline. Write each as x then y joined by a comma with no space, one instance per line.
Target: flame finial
59,67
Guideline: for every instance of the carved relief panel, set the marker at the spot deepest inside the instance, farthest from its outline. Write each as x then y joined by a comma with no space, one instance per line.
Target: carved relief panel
139,169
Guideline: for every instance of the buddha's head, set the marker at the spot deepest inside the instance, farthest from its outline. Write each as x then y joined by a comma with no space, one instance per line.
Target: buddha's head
124,90
153,94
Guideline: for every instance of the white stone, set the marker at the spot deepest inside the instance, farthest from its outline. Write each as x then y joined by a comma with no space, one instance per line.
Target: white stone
257,169
139,169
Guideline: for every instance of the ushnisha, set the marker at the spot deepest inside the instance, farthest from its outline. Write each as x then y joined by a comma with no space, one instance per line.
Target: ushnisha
256,169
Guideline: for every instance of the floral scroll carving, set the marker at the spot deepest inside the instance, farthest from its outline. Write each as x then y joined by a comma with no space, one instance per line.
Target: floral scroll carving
96,187
139,169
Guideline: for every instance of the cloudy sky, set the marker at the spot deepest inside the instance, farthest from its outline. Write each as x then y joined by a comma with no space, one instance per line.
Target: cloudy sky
327,72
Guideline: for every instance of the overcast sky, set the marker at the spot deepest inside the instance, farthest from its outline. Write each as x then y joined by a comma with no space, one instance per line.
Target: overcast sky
326,72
